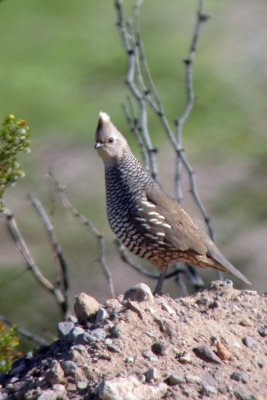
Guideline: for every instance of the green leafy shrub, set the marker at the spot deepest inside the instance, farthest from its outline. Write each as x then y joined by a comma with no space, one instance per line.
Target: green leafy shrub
8,347
14,138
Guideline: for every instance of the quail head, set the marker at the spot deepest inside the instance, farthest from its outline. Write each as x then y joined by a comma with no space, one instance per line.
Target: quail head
146,220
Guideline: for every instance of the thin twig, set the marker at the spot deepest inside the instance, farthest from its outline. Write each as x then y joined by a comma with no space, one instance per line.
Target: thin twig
60,189
57,251
26,255
131,48
134,126
36,339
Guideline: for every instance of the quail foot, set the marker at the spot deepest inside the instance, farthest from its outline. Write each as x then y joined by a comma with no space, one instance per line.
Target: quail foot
146,220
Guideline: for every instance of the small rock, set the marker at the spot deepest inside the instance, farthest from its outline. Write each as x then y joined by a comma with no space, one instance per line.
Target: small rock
75,333
193,379
55,373
263,331
208,389
81,385
185,358
207,354
85,306
152,374
59,389
48,395
113,305
249,341
239,377
167,308
158,348
209,379
111,346
245,322
115,331
244,396
72,318
105,356
69,367
150,356
129,360
174,379
99,333
101,315
222,351
140,292
130,389
64,329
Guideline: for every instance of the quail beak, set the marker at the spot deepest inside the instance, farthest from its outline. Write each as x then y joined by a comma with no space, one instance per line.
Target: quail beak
98,145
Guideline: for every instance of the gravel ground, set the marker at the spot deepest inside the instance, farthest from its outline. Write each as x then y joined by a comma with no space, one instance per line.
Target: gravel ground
138,347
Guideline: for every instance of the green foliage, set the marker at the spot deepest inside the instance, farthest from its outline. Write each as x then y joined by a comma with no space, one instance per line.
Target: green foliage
8,347
14,138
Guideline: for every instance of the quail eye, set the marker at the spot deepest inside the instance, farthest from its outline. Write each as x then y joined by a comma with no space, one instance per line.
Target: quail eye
111,140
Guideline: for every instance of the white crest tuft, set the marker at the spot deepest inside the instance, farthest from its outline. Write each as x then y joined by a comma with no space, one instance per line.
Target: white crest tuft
104,116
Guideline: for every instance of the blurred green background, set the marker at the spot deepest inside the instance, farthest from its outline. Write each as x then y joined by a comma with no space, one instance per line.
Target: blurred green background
61,63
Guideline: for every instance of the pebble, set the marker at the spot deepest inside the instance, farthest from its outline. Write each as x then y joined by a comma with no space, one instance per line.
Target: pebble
150,356
75,333
69,367
48,395
152,374
72,318
207,354
115,331
263,331
208,389
244,396
131,389
249,341
167,308
239,377
174,379
85,306
81,385
185,358
223,352
193,379
55,373
99,333
64,329
159,348
101,315
85,338
140,292
111,346
129,360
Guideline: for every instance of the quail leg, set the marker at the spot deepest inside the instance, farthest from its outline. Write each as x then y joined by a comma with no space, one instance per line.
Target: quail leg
159,284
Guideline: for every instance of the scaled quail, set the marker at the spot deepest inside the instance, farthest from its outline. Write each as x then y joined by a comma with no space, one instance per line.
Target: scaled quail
145,219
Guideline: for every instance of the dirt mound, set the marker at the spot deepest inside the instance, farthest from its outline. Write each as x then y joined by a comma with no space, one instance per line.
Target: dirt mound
209,345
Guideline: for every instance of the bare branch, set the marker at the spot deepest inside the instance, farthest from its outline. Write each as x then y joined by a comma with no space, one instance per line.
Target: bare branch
60,189
57,251
30,264
36,339
134,72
